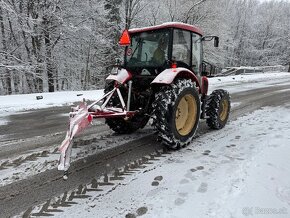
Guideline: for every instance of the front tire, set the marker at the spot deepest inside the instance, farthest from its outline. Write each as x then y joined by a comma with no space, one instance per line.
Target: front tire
218,109
177,112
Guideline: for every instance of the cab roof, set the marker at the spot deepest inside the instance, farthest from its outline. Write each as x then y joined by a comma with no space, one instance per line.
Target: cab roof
177,25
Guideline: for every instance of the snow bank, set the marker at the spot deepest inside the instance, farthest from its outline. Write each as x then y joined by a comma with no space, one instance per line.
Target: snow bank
15,103
238,83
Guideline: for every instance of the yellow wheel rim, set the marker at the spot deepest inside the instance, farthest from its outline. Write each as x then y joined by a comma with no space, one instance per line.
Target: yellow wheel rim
185,116
225,109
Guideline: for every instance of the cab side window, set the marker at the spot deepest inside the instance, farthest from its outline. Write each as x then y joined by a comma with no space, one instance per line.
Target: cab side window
181,46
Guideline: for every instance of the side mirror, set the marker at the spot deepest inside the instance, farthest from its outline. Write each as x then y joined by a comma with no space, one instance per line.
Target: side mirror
216,41
209,38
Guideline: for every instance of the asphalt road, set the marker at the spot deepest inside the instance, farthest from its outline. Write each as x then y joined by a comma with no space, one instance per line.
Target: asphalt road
45,127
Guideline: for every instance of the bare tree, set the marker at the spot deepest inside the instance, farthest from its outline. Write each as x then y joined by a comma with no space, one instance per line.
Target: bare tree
4,53
132,9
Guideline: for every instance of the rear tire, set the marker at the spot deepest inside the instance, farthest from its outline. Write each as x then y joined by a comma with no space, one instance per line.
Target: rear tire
177,112
218,109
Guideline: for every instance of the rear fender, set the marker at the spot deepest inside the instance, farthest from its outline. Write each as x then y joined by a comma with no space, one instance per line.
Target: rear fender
119,75
167,76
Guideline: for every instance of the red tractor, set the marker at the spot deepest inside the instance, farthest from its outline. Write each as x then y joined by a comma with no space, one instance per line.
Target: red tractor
162,77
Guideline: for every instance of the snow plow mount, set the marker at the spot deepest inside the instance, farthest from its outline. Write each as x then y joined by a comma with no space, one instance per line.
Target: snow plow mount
102,111
82,116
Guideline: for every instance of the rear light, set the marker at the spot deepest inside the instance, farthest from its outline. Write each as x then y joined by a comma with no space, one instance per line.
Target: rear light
174,65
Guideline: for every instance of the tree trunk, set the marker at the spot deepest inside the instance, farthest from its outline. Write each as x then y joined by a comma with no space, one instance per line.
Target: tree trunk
87,70
2,91
27,84
7,74
50,67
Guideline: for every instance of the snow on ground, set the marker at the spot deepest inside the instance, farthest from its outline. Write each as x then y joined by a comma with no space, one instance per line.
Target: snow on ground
12,104
29,101
39,163
239,171
41,159
238,83
235,83
243,174
16,103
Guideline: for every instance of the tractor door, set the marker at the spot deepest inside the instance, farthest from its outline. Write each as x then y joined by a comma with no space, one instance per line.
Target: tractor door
181,49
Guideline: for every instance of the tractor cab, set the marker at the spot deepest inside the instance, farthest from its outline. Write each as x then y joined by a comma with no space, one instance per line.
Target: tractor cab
151,50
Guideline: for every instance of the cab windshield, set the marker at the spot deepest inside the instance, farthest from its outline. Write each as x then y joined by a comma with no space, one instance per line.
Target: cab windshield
148,49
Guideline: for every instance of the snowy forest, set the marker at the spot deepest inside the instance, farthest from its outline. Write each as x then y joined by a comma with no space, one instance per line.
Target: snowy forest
54,45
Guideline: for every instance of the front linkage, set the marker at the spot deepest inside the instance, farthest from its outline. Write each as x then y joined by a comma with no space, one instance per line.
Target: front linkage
82,115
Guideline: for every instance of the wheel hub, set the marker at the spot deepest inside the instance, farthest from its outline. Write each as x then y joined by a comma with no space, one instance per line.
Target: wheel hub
185,116
224,109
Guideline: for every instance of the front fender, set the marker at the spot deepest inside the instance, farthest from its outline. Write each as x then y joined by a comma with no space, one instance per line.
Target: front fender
167,76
